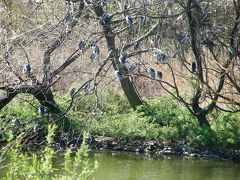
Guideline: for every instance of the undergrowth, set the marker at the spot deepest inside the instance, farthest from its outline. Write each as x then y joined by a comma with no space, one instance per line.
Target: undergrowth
161,119
24,166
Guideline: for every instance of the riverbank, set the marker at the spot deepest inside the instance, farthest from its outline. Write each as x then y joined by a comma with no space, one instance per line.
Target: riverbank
161,127
161,149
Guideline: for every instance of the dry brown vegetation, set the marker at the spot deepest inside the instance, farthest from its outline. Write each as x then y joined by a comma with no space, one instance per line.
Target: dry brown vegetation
31,28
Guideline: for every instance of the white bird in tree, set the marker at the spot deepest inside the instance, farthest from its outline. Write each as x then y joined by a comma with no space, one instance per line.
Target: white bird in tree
158,74
41,111
118,75
151,72
27,69
160,56
123,57
129,21
82,43
183,39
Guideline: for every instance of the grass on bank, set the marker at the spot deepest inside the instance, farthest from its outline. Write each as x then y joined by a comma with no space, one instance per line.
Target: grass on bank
161,119
22,165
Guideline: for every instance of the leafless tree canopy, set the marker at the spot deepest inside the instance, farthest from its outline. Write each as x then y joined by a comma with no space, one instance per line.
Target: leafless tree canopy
186,48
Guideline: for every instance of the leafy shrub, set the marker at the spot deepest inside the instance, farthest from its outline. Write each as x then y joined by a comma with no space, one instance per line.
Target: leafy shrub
22,110
162,119
161,111
125,126
114,103
23,166
227,128
201,137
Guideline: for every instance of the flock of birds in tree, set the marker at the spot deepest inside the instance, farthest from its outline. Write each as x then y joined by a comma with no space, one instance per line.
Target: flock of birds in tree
159,55
105,19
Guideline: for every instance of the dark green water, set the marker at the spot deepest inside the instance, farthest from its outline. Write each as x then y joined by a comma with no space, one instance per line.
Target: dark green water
130,166
123,166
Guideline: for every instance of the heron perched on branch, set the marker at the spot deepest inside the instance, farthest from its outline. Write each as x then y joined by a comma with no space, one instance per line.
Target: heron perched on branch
68,17
154,41
41,111
26,69
151,72
183,39
16,122
72,92
82,43
158,74
8,52
136,45
36,127
143,20
123,57
118,75
95,52
129,21
233,51
95,48
105,18
160,56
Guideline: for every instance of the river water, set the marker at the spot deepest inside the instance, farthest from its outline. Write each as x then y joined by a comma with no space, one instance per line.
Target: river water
131,166
125,166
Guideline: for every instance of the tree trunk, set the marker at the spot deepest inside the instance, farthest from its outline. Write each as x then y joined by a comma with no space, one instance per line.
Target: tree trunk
131,93
200,115
42,93
45,97
127,86
202,119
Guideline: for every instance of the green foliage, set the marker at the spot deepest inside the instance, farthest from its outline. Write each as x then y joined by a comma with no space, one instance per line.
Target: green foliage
125,126
28,167
78,167
161,111
161,119
201,137
111,104
165,119
227,127
24,166
114,103
22,110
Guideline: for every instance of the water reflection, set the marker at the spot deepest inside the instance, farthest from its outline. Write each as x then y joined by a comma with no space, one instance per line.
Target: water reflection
123,166
130,166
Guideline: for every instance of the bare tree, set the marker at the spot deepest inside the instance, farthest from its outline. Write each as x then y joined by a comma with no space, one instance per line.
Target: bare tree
190,42
211,42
